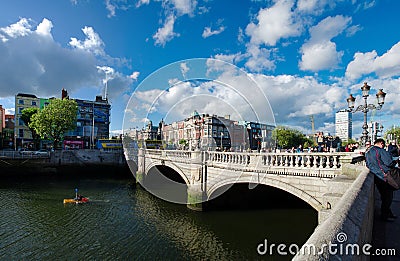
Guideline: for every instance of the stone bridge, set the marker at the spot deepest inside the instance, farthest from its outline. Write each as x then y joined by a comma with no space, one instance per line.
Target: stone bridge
315,178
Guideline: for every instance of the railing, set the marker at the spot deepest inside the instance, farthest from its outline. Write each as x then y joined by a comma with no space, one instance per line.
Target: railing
323,165
4,154
295,160
182,156
229,157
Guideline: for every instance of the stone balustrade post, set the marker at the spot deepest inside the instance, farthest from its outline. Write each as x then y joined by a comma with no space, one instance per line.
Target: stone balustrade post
196,193
141,171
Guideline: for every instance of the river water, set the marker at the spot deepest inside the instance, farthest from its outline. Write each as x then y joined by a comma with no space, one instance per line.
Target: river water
125,222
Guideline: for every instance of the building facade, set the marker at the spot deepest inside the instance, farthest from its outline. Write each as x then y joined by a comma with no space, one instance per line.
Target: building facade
93,121
93,118
22,132
213,132
344,125
8,132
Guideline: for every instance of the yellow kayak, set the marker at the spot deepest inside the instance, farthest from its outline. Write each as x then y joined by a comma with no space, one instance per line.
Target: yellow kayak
72,200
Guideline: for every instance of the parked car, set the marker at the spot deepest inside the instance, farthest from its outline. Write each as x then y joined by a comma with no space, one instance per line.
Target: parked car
25,152
41,152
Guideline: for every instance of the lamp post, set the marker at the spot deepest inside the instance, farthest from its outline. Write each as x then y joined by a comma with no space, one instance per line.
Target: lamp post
366,107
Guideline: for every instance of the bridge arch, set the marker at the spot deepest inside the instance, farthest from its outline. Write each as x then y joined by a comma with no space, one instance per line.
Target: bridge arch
313,202
170,165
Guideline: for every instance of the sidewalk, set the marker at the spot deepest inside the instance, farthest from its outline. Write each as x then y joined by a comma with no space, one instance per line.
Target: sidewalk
386,235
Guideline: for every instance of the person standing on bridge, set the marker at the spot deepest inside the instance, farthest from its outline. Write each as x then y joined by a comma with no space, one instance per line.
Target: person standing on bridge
379,161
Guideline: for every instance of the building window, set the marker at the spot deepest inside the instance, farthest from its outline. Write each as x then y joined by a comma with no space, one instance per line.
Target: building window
20,101
33,103
21,122
21,133
20,109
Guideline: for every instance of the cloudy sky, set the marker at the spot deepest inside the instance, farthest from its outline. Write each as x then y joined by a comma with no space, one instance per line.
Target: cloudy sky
305,56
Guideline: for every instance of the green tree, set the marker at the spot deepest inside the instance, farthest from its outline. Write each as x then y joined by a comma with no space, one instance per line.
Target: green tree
287,137
349,141
393,134
55,119
26,117
183,143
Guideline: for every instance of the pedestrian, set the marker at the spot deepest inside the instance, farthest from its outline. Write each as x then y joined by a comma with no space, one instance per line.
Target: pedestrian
379,161
393,150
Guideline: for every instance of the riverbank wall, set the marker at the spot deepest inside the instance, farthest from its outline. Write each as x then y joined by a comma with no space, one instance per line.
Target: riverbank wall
67,161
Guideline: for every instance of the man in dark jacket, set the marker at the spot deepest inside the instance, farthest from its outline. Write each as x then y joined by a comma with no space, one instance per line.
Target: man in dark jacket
379,161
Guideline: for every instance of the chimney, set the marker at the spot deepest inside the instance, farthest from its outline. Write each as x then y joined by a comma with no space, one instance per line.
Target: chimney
64,94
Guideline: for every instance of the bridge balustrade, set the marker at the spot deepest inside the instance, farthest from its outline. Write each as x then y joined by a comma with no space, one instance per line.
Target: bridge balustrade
323,164
182,156
228,157
305,160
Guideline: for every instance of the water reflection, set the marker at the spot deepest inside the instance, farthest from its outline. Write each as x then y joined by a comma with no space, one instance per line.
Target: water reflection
123,221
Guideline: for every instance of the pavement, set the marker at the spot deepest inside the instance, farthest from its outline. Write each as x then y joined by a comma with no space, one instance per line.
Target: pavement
386,235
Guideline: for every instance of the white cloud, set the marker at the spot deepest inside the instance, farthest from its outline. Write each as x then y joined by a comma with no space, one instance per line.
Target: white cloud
320,56
387,65
142,2
165,33
208,32
44,28
315,7
230,58
184,69
286,95
32,62
110,7
259,59
352,30
273,24
183,7
21,28
319,52
92,43
363,63
134,76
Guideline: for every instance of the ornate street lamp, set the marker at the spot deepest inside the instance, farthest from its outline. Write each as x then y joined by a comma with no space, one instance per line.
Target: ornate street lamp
366,107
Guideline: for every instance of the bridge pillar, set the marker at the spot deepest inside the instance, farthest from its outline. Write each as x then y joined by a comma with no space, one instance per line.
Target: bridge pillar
141,170
196,194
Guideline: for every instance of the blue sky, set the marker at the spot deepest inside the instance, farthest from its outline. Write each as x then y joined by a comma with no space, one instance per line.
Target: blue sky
306,56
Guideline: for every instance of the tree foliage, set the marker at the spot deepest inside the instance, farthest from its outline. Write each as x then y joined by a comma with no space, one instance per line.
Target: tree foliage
55,119
349,141
288,138
393,134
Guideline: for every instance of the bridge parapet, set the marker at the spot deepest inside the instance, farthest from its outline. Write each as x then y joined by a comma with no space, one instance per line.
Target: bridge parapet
327,165
180,156
319,179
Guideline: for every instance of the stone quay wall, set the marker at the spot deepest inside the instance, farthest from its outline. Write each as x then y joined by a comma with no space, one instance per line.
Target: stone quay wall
349,226
69,161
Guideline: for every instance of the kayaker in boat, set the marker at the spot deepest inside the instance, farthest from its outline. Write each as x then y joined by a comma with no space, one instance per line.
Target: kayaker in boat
79,197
